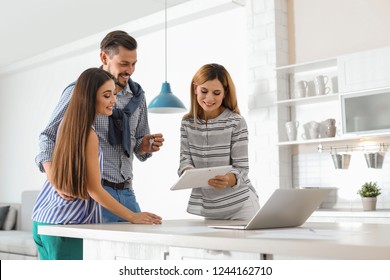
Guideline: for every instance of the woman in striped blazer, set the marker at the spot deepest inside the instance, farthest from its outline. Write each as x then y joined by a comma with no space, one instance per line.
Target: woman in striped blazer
213,133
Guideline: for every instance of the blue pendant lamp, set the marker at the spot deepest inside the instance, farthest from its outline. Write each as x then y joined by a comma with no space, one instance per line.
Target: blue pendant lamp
166,102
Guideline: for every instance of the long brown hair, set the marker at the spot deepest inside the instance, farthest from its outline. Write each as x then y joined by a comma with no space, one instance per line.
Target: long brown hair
210,72
69,170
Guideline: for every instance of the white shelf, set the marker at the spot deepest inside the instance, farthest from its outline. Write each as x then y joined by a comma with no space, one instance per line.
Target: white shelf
309,100
345,137
308,66
317,141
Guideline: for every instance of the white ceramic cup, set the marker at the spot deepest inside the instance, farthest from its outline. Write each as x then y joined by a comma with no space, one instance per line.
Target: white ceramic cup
291,130
314,129
301,89
305,136
320,83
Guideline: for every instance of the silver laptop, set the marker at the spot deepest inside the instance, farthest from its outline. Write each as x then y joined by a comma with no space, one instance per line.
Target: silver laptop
285,208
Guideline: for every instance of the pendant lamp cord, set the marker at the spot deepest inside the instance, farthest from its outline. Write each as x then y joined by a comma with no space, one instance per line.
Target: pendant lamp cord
166,40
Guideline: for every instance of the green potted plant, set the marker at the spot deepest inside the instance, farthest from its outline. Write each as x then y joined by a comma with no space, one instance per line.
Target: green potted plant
368,192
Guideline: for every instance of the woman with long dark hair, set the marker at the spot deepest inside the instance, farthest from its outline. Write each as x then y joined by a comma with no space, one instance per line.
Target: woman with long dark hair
75,170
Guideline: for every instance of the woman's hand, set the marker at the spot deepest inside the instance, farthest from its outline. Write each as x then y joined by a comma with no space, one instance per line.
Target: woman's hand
223,181
145,218
64,196
47,167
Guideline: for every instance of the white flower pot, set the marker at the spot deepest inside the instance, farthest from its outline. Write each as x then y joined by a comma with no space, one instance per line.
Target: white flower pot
369,203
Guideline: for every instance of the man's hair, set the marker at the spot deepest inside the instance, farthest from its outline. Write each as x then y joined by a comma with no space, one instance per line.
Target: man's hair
117,38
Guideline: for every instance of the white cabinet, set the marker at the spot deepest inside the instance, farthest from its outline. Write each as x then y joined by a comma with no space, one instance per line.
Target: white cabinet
364,82
366,112
180,253
364,71
117,250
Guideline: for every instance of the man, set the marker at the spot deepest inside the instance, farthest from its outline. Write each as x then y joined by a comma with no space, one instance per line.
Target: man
123,135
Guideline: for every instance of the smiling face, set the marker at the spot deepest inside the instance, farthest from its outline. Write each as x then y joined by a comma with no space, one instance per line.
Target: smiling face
106,98
120,65
210,96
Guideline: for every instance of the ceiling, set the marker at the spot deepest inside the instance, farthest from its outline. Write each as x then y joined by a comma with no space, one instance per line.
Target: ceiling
32,27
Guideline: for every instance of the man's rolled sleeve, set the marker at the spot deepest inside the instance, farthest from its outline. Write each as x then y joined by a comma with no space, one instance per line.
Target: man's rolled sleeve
48,136
141,130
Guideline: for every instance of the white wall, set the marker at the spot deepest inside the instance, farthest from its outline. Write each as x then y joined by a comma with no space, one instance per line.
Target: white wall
29,97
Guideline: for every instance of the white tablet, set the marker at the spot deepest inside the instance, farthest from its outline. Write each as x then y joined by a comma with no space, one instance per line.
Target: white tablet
198,177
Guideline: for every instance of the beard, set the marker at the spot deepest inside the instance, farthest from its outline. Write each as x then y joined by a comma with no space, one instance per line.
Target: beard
119,83
116,78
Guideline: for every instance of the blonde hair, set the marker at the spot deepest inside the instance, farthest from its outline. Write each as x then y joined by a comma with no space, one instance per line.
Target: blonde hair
210,72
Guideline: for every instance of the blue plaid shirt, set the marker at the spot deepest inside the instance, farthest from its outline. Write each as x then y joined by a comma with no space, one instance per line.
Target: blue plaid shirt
117,167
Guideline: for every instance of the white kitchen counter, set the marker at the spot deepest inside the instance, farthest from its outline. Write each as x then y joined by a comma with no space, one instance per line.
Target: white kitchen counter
381,216
182,239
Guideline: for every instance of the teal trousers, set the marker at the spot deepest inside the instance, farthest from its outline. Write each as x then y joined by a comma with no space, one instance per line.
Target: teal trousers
56,247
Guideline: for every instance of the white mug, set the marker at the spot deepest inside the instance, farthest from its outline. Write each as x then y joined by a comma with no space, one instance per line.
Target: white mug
314,129
320,83
291,130
311,130
301,89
